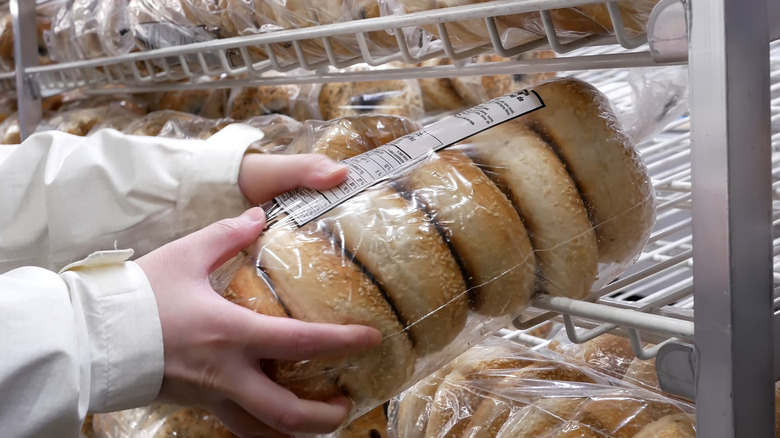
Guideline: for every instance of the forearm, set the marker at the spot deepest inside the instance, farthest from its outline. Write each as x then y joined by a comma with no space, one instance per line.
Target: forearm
86,340
65,196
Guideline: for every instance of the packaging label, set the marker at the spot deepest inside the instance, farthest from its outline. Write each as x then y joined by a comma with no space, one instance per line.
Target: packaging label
369,168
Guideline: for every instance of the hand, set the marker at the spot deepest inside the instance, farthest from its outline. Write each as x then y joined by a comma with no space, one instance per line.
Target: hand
263,176
213,348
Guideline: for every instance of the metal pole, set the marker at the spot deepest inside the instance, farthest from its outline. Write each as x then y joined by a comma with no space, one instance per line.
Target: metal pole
26,55
732,239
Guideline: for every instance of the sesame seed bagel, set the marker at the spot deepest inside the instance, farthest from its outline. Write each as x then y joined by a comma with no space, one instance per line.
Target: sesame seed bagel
483,228
578,122
548,202
408,258
249,290
316,282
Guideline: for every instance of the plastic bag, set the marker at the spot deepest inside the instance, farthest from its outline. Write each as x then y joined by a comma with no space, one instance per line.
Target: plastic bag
450,250
503,389
392,97
460,92
159,420
329,101
517,29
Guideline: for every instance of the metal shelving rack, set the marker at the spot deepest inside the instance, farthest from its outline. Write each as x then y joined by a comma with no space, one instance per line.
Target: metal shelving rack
716,172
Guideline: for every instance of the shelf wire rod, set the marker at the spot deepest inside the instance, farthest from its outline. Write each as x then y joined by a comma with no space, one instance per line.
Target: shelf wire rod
444,38
669,159
368,57
614,316
671,153
225,63
204,65
501,50
333,58
561,48
302,61
519,336
620,29
672,203
631,279
667,248
166,69
659,298
185,66
406,54
672,175
670,230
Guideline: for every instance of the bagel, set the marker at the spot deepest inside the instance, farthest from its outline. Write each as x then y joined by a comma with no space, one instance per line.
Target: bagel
408,259
250,102
475,90
373,424
670,426
643,372
248,289
350,136
392,97
544,194
412,412
617,416
498,404
174,124
474,377
297,14
483,228
204,103
578,122
333,290
439,93
541,418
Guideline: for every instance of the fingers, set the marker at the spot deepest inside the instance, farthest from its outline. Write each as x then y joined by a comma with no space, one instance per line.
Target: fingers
243,424
290,339
212,246
282,410
263,177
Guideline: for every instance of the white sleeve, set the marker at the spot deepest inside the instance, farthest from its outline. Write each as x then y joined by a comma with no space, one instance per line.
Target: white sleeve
64,196
86,340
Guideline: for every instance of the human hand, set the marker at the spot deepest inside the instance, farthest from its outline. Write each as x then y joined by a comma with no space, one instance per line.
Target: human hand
263,176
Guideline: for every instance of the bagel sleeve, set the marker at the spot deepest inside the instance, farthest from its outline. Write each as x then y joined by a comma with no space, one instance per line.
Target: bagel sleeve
504,389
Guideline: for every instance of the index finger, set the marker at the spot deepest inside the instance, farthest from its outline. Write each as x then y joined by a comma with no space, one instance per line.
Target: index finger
290,339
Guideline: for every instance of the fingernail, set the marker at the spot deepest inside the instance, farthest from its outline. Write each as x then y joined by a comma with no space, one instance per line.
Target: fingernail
255,214
330,167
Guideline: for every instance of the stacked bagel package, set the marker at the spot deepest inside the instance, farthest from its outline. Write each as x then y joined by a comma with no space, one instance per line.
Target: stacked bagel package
442,253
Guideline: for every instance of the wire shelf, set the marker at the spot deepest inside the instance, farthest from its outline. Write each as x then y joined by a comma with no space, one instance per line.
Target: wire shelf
236,61
654,297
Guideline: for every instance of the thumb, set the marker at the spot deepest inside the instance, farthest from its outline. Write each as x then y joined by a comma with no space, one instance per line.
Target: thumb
214,245
263,176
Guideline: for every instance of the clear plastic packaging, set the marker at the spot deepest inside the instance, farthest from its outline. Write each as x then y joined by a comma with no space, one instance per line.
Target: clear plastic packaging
441,254
516,29
80,121
612,355
460,92
44,13
159,420
329,101
503,389
392,97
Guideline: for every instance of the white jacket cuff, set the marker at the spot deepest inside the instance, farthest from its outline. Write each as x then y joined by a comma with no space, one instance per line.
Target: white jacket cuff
125,335
214,168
